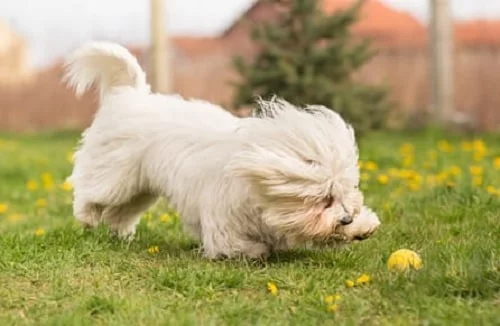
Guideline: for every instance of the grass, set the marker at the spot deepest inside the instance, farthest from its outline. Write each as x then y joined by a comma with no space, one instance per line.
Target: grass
438,198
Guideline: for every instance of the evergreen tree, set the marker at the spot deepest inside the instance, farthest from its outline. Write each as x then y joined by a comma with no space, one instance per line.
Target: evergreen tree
308,57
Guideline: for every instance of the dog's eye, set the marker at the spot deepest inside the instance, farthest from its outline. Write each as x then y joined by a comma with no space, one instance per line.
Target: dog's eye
329,202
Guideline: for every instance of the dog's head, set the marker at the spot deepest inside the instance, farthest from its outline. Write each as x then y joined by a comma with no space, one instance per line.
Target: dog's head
302,168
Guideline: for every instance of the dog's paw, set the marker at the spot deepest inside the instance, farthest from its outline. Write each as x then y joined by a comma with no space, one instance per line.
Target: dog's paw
124,234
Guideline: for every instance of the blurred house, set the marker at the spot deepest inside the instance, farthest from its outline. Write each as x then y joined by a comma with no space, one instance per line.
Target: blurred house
14,68
202,69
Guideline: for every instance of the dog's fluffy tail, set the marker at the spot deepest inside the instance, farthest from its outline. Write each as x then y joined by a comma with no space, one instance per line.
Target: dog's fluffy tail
105,64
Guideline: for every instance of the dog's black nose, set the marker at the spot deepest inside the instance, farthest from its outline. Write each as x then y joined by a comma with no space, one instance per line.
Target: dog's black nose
346,220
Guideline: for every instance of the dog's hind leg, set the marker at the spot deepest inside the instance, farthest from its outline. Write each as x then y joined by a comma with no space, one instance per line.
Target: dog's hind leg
87,213
123,219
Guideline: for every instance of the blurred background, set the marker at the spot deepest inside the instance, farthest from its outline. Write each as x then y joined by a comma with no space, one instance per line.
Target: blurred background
199,38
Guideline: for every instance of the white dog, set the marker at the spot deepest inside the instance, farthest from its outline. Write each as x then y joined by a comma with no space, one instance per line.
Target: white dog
243,186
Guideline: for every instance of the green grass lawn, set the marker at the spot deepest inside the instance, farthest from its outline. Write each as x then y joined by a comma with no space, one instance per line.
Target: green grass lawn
438,198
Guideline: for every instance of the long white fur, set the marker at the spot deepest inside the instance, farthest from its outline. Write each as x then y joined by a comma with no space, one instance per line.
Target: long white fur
242,186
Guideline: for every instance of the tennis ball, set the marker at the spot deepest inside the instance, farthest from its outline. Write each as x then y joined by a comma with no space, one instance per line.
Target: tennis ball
404,259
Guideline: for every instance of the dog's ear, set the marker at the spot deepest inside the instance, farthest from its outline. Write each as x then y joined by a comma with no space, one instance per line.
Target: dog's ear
276,176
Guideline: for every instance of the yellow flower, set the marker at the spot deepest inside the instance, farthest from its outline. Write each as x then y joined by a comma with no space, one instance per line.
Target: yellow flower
383,179
39,232
165,218
41,203
407,149
364,176
445,146
476,170
349,283
153,250
477,180
332,308
371,166
67,186
332,298
414,186
32,185
496,163
3,208
272,288
442,176
14,217
70,157
479,146
408,161
492,190
455,170
363,279
48,181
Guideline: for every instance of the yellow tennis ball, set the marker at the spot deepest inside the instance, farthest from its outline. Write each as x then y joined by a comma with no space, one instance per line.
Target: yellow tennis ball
404,259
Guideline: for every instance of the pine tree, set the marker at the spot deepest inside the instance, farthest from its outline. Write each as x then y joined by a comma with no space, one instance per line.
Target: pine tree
308,57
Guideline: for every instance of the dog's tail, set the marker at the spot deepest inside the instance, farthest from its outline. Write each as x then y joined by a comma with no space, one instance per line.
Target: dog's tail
105,64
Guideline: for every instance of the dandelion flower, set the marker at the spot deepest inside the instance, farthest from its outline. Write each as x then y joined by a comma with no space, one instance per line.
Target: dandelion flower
408,161
39,232
371,166
407,149
492,190
67,186
332,308
476,170
329,299
414,186
41,203
3,208
272,288
363,279
48,181
477,180
383,179
32,185
455,170
153,250
349,283
496,163
165,218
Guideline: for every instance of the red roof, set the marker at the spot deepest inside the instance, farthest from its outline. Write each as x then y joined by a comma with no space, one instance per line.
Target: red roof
382,23
477,33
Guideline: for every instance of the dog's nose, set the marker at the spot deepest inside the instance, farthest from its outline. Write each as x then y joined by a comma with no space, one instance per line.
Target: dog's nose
346,220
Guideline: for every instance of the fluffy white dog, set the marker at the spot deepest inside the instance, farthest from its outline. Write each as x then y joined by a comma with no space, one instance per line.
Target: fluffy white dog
243,186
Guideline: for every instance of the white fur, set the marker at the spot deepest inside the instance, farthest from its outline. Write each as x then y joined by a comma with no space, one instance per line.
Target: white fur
241,186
